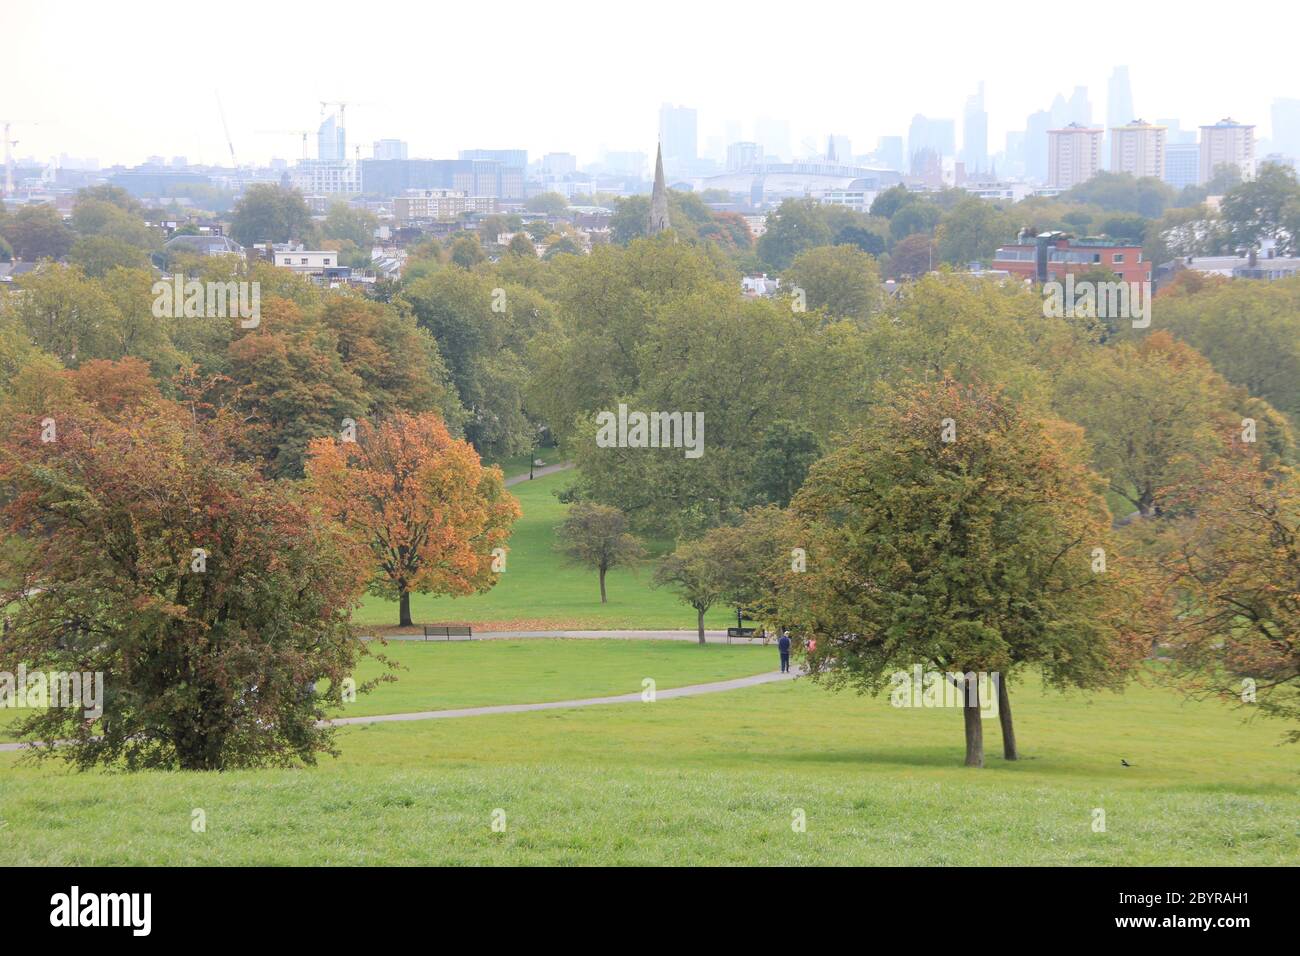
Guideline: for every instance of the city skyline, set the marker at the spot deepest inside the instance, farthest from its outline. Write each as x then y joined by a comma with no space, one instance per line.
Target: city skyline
419,101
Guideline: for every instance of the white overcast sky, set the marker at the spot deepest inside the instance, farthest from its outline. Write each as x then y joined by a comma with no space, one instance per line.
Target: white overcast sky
125,79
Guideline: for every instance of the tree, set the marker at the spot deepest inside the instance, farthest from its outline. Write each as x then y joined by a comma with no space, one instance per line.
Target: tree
911,257
972,231
521,245
956,533
597,536
842,280
1259,209
1154,411
214,605
423,504
693,572
354,225
1233,577
37,232
797,224
552,204
913,218
787,451
466,252
270,213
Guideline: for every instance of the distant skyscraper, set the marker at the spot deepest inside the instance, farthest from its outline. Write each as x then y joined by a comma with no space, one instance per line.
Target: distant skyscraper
1227,143
516,158
559,164
331,140
1036,127
934,134
742,156
678,137
1073,155
389,149
1182,164
1286,127
889,151
1138,148
1079,107
1119,99
975,134
658,219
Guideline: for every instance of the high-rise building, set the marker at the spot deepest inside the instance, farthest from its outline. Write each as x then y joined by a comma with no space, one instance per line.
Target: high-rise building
678,135
1073,155
1119,99
1286,127
506,157
938,135
1227,143
1036,127
1182,164
559,164
1138,148
742,156
975,133
889,152
389,149
331,140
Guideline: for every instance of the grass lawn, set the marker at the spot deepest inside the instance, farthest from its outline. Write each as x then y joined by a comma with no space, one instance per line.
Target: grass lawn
440,675
707,780
539,591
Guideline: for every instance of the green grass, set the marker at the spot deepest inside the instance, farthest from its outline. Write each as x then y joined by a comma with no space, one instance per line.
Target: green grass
539,591
518,464
707,780
440,675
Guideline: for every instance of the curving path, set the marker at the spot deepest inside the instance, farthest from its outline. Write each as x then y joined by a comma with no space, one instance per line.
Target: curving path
690,690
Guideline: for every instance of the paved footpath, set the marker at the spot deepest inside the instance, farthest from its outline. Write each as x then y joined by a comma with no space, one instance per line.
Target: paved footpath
693,636
539,473
690,690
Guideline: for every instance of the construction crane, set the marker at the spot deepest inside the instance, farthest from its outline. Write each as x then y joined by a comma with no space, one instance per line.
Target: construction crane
343,109
226,130
9,157
304,133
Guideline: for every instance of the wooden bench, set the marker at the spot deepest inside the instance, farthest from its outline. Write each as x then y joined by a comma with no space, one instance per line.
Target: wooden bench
449,631
747,632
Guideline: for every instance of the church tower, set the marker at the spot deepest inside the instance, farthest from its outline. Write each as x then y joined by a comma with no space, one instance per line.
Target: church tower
658,198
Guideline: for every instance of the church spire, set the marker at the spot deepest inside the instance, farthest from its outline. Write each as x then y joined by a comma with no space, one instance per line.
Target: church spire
658,198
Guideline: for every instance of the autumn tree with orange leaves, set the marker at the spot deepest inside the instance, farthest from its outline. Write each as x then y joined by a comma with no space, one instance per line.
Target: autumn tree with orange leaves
420,500
1232,579
134,545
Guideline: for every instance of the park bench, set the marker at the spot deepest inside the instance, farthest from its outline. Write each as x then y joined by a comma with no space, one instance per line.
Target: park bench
749,632
449,631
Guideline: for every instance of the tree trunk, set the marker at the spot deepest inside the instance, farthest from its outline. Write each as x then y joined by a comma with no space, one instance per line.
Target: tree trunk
699,612
974,724
602,585
405,609
1004,718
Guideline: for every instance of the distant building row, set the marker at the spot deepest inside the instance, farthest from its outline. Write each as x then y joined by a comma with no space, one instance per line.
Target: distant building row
1139,148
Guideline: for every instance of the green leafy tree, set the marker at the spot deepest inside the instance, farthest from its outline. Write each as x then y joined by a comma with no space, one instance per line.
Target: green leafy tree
596,536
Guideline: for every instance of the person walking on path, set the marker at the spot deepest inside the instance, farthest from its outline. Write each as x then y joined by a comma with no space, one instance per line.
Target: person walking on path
783,644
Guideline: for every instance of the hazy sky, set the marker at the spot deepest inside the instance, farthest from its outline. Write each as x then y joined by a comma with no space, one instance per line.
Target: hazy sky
123,80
